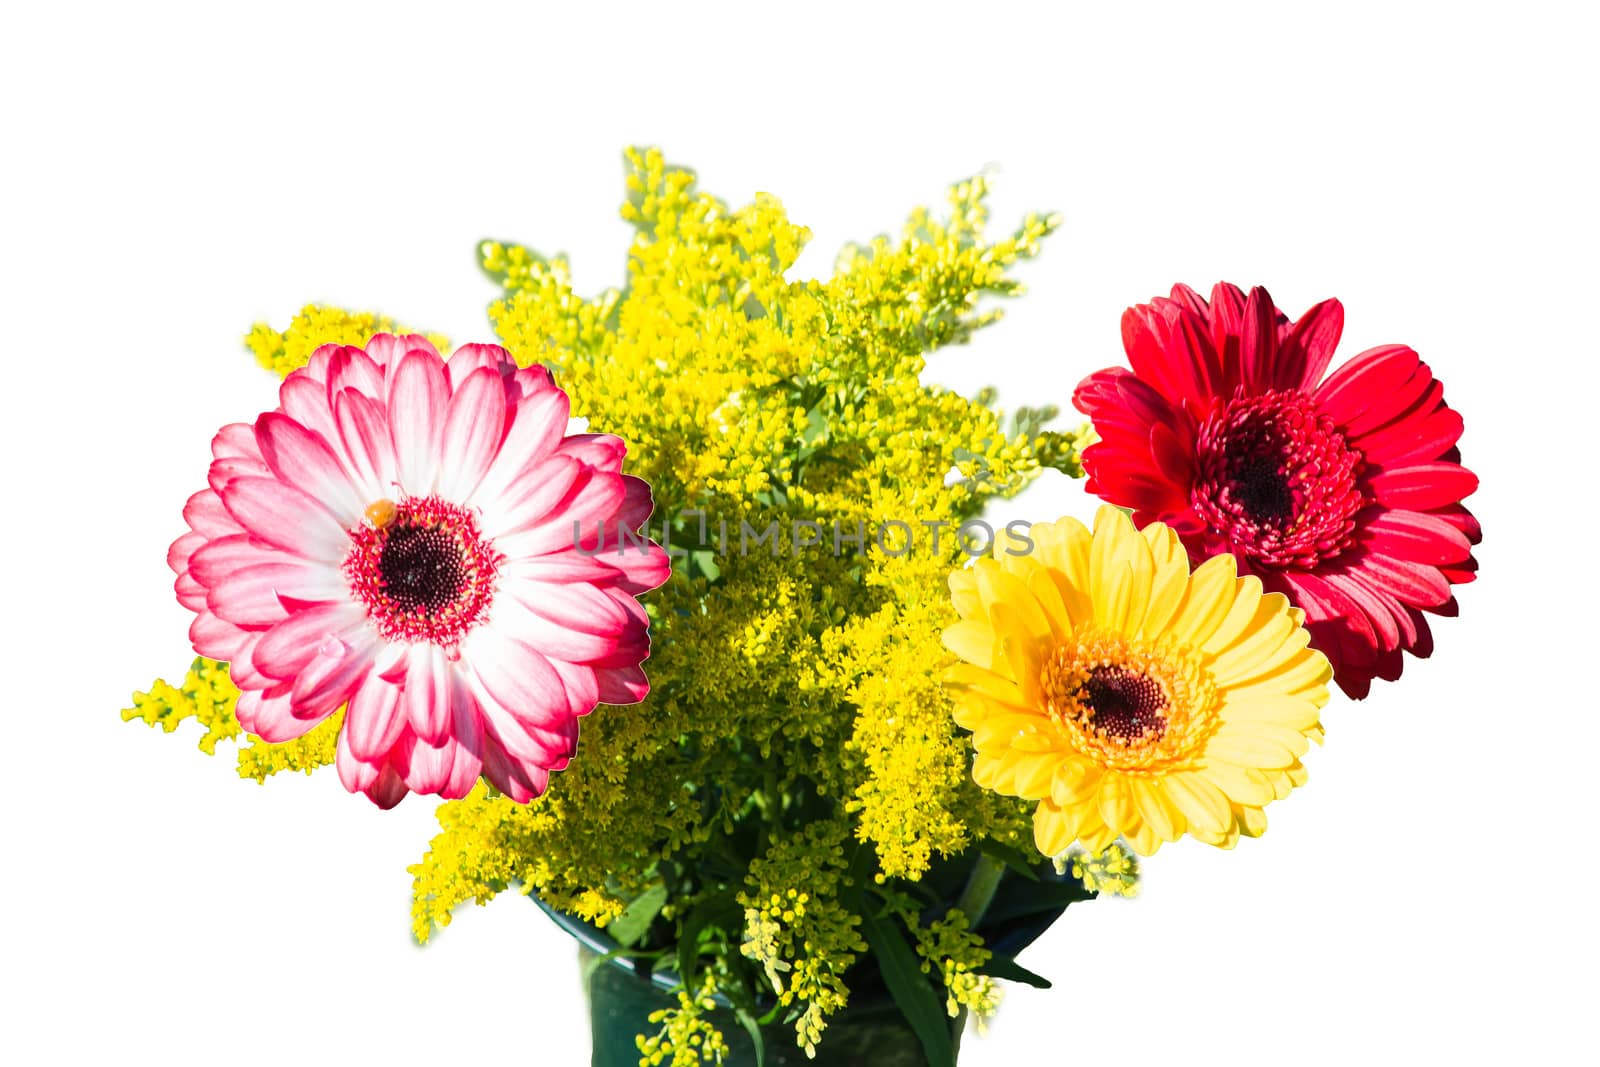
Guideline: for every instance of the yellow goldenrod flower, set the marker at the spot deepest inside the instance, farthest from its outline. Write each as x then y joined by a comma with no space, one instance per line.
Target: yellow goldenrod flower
1127,696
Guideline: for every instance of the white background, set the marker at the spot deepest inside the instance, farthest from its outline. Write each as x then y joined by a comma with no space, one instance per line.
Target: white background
173,175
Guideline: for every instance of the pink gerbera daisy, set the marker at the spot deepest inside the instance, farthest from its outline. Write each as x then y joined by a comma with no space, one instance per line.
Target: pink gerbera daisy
1344,494
422,542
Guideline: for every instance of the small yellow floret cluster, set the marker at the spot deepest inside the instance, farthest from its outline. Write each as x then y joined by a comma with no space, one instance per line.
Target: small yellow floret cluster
686,1038
1114,870
283,351
207,695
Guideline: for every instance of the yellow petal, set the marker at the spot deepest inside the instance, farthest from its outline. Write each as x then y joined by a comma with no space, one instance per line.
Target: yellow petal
1262,644
1142,839
1093,833
1053,829
965,677
1252,821
1243,785
973,641
1002,731
1255,745
1119,570
1022,652
1075,540
1044,590
1034,773
1302,671
1076,781
1113,597
964,594
1157,812
997,588
1263,706
1117,807
1241,618
1203,805
1169,580
1211,593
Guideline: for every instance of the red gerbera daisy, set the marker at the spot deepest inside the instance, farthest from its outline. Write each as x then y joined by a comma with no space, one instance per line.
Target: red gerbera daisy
1343,494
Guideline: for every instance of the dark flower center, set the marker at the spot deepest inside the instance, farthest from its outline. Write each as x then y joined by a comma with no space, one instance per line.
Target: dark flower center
1262,489
1277,482
1124,704
423,570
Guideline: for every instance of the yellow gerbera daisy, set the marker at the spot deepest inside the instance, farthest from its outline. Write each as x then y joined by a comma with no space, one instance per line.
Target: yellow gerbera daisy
1127,696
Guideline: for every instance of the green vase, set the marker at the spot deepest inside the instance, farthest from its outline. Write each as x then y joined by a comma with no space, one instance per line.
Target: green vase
871,1033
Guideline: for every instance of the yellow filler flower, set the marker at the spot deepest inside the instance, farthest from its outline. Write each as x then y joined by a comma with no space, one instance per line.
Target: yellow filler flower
1127,696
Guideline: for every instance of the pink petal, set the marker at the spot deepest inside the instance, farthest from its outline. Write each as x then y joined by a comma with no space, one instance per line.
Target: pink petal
537,425
386,349
374,718
1415,536
364,435
471,742
183,549
1258,342
1423,486
1349,390
579,519
603,451
237,440
418,399
305,400
521,781
221,558
356,773
467,359
474,426
622,685
1416,584
529,500
215,638
288,647
573,607
271,718
427,695
352,369
425,768
205,515
583,689
333,675
517,678
286,518
254,596
512,617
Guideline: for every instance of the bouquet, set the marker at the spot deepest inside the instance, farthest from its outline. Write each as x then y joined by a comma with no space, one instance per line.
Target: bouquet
690,601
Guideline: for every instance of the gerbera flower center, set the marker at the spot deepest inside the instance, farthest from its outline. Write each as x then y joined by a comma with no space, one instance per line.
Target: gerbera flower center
1124,704
1278,480
1128,704
423,569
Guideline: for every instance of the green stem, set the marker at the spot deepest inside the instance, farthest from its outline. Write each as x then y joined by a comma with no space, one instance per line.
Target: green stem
975,899
981,884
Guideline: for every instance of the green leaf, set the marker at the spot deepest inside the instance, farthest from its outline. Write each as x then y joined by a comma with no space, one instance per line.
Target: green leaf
753,1028
1038,897
1012,971
636,918
719,911
1011,857
909,987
